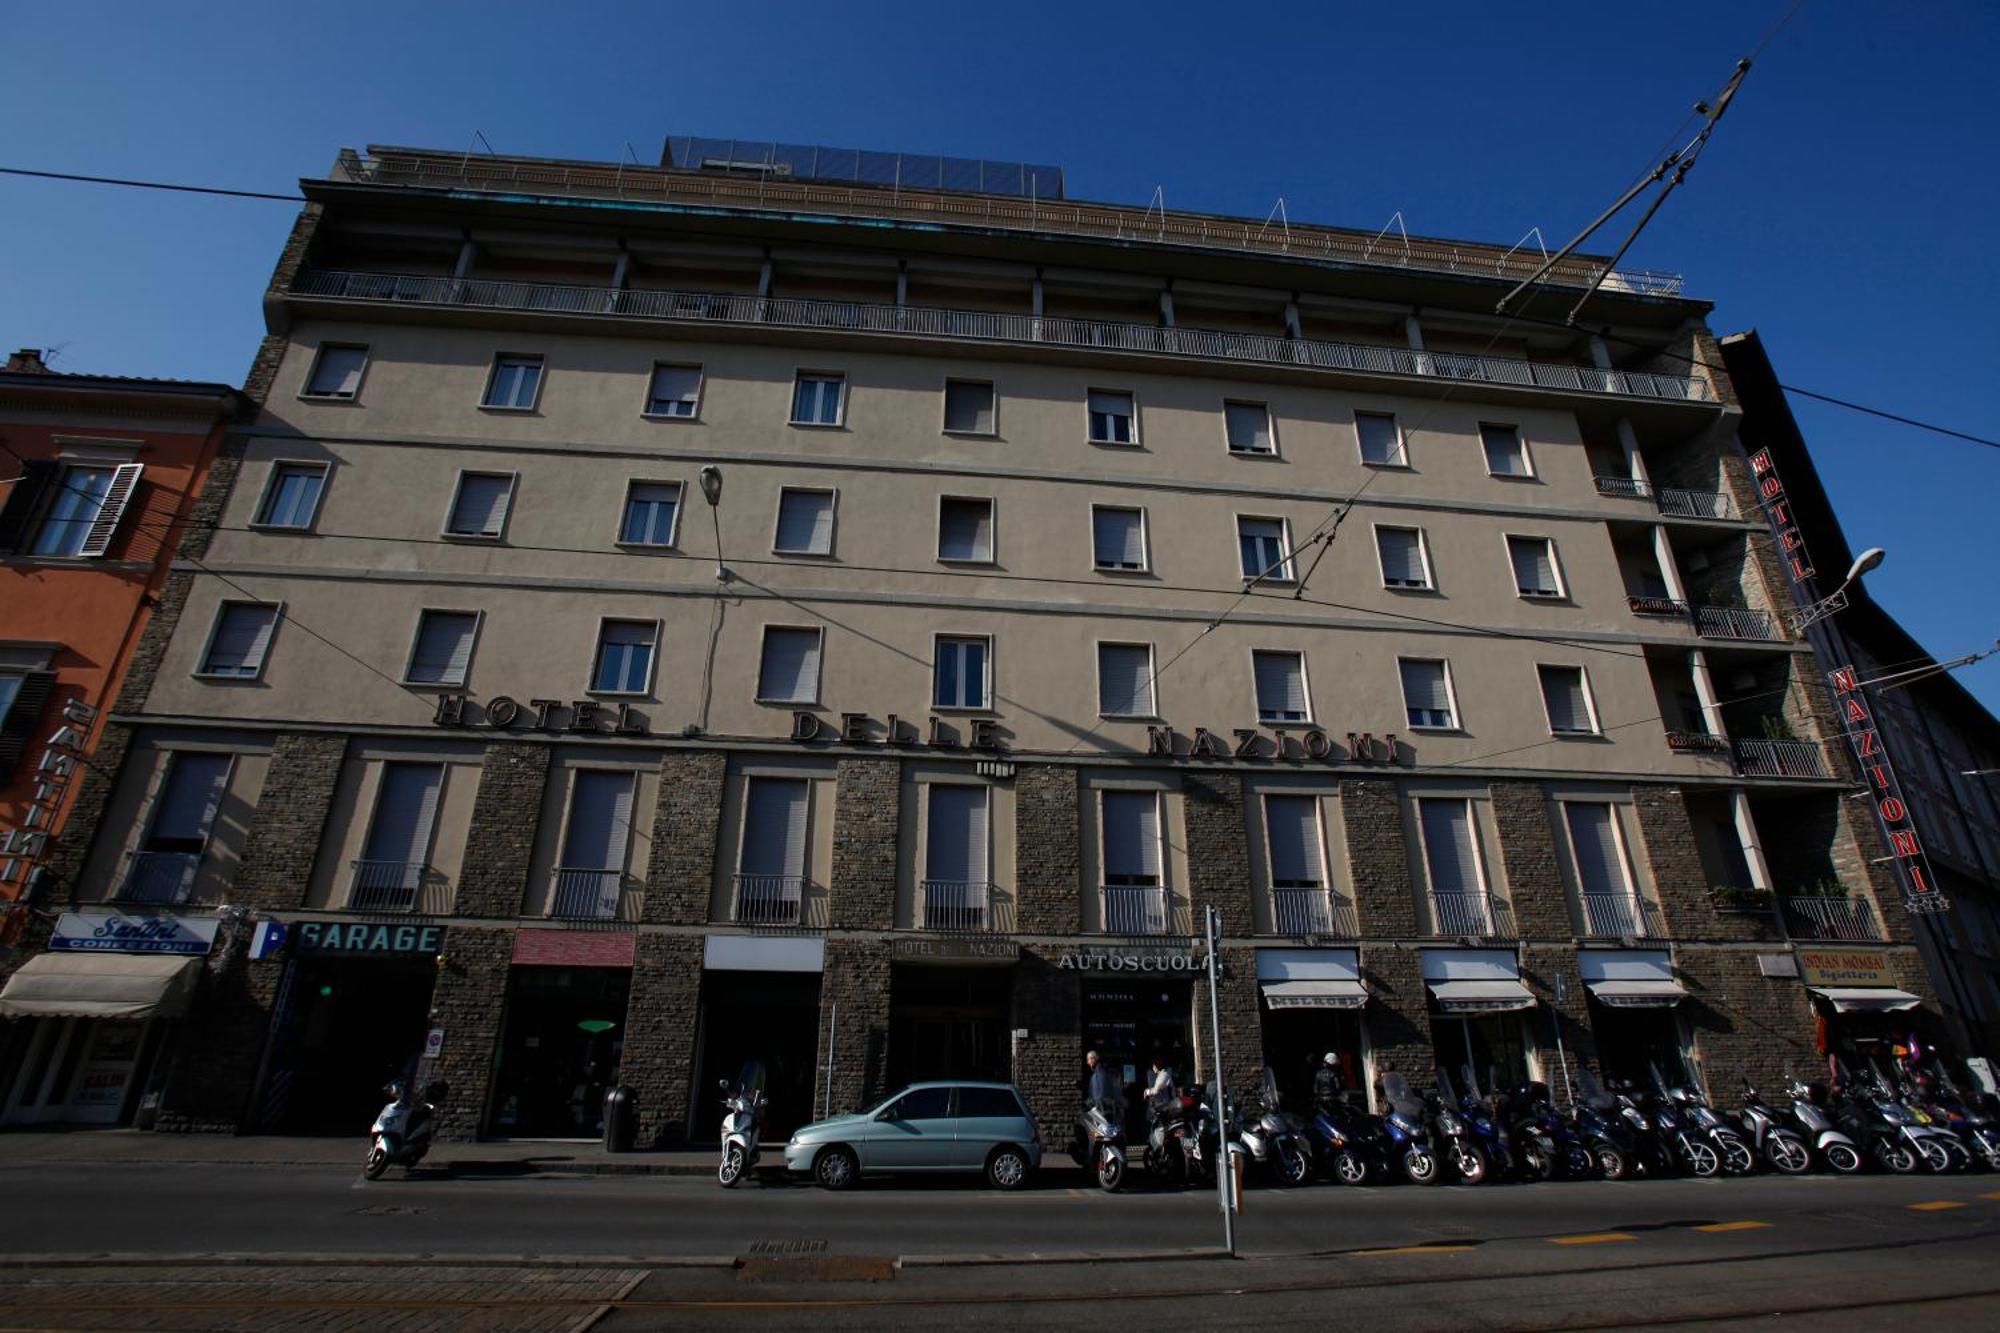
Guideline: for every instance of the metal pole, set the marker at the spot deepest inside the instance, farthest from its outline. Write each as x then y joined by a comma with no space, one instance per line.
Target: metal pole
1556,1022
832,1027
1224,1166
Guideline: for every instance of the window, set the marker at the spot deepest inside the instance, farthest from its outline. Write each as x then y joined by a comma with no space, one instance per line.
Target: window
479,509
1593,839
442,653
624,663
1118,537
1111,417
1266,552
1451,848
514,384
591,879
1381,439
1249,427
1281,686
772,861
292,498
1427,693
1405,563
1506,453
965,529
1131,838
805,522
674,392
337,372
184,813
241,638
652,508
789,673
989,1104
399,836
955,844
83,514
1125,679
23,696
817,400
1534,561
1292,825
921,1104
968,407
1567,699
960,673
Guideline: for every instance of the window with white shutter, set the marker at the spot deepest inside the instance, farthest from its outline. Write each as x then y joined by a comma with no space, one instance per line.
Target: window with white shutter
1118,537
1381,439
1281,686
103,525
479,509
1593,838
1534,561
1249,427
1567,700
1401,551
85,509
1125,680
1291,825
1427,692
442,653
955,840
240,640
968,407
805,522
789,672
1111,417
1506,454
960,672
652,509
965,530
337,372
1131,838
1264,549
675,391
1451,849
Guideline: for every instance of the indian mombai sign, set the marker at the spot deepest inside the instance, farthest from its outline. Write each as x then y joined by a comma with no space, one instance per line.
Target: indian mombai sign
349,939
1845,967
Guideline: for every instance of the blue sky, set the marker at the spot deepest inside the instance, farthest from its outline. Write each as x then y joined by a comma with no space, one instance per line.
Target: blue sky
1846,209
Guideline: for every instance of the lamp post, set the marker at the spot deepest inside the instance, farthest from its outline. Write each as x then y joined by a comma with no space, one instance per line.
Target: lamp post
711,491
1837,599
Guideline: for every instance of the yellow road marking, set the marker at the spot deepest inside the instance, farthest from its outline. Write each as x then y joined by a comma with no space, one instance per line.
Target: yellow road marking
1991,1194
1732,1226
1593,1238
1934,1206
1418,1249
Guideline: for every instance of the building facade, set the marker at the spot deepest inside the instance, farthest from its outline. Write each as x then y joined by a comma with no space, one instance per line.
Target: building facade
860,613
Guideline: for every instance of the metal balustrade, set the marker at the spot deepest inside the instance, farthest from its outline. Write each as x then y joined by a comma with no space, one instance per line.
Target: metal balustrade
1697,742
1781,759
397,886
1829,919
588,893
1297,911
159,878
1734,622
1471,914
1619,916
1143,910
762,192
984,326
1693,504
1656,606
1629,487
777,900
965,906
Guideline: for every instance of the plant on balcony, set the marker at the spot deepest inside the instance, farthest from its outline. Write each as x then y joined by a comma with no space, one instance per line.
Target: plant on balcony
1823,888
1740,898
1776,728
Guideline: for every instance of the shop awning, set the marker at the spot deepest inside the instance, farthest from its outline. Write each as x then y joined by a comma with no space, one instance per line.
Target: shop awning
1630,978
100,985
1481,997
1319,994
1867,999
1638,994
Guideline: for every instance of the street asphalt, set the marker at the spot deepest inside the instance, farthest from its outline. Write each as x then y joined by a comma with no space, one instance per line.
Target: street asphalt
135,1244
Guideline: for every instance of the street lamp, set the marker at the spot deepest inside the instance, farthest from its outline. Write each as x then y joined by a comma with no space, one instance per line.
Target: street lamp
1837,599
711,491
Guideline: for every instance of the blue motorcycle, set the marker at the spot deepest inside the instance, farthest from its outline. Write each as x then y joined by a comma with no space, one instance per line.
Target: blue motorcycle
1408,1131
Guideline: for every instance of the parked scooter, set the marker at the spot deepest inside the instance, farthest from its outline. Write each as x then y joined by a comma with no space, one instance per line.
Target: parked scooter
1472,1141
1691,1108
1408,1130
401,1134
1769,1136
1812,1111
1603,1124
1974,1118
1169,1154
1868,1111
742,1123
1670,1141
1097,1143
1271,1138
1540,1129
1350,1142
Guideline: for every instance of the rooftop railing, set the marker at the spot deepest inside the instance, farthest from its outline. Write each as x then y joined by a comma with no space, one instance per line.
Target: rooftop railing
456,173
985,326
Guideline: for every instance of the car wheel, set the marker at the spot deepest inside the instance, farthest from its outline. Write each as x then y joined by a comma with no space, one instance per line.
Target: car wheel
837,1169
1007,1168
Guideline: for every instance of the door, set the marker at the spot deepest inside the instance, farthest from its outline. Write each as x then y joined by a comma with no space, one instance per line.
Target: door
913,1133
987,1118
110,1056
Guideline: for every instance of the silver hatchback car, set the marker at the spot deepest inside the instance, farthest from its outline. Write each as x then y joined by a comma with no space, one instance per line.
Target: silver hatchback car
973,1127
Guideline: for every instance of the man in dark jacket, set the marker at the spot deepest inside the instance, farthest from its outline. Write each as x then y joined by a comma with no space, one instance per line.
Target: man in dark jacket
1099,1086
1327,1083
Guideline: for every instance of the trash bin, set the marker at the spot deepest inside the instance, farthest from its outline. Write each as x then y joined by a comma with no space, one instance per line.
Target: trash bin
621,1119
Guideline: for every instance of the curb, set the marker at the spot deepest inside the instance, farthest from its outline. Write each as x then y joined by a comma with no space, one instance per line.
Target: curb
1037,1257
246,1259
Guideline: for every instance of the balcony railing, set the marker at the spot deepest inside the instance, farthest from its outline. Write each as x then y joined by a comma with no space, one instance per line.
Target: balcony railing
1143,910
965,907
1629,487
985,326
1471,914
397,886
1619,916
777,900
1296,911
1697,742
586,893
1781,759
1656,606
1693,504
1734,622
162,879
762,191
1829,919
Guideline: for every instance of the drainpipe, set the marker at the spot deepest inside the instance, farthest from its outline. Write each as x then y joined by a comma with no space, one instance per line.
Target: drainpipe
1036,330
902,293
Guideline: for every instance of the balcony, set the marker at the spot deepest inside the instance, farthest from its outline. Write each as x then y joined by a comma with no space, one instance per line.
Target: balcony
588,893
1619,916
1808,918
777,900
1656,606
1474,914
1302,912
1734,622
1781,759
1679,503
397,886
1630,488
965,907
1696,742
985,326
1131,909
159,879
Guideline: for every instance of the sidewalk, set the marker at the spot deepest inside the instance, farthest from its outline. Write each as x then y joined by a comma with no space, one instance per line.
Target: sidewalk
131,1147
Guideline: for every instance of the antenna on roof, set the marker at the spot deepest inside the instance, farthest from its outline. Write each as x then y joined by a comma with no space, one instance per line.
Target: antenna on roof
1159,202
477,137
1396,221
1284,220
618,181
1501,263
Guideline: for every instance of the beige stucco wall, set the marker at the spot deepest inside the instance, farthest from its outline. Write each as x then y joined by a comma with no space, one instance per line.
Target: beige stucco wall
130,813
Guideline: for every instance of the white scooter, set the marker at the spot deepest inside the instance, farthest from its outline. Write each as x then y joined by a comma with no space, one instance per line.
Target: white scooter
742,1123
401,1134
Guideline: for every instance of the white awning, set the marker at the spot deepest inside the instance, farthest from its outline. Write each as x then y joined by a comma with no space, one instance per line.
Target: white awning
1867,999
1325,993
1638,994
100,985
1630,978
1481,997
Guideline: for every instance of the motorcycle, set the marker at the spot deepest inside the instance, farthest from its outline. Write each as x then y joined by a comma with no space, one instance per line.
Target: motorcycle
1870,1114
1669,1142
1692,1109
742,1123
1549,1143
1407,1129
1098,1143
1474,1144
1272,1139
1813,1115
1975,1119
1600,1122
1351,1143
401,1134
1779,1145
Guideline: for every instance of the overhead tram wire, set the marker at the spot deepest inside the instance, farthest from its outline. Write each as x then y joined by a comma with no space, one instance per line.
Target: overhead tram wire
151,185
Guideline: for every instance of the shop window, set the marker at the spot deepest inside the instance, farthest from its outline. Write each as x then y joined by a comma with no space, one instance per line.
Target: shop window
1492,1048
